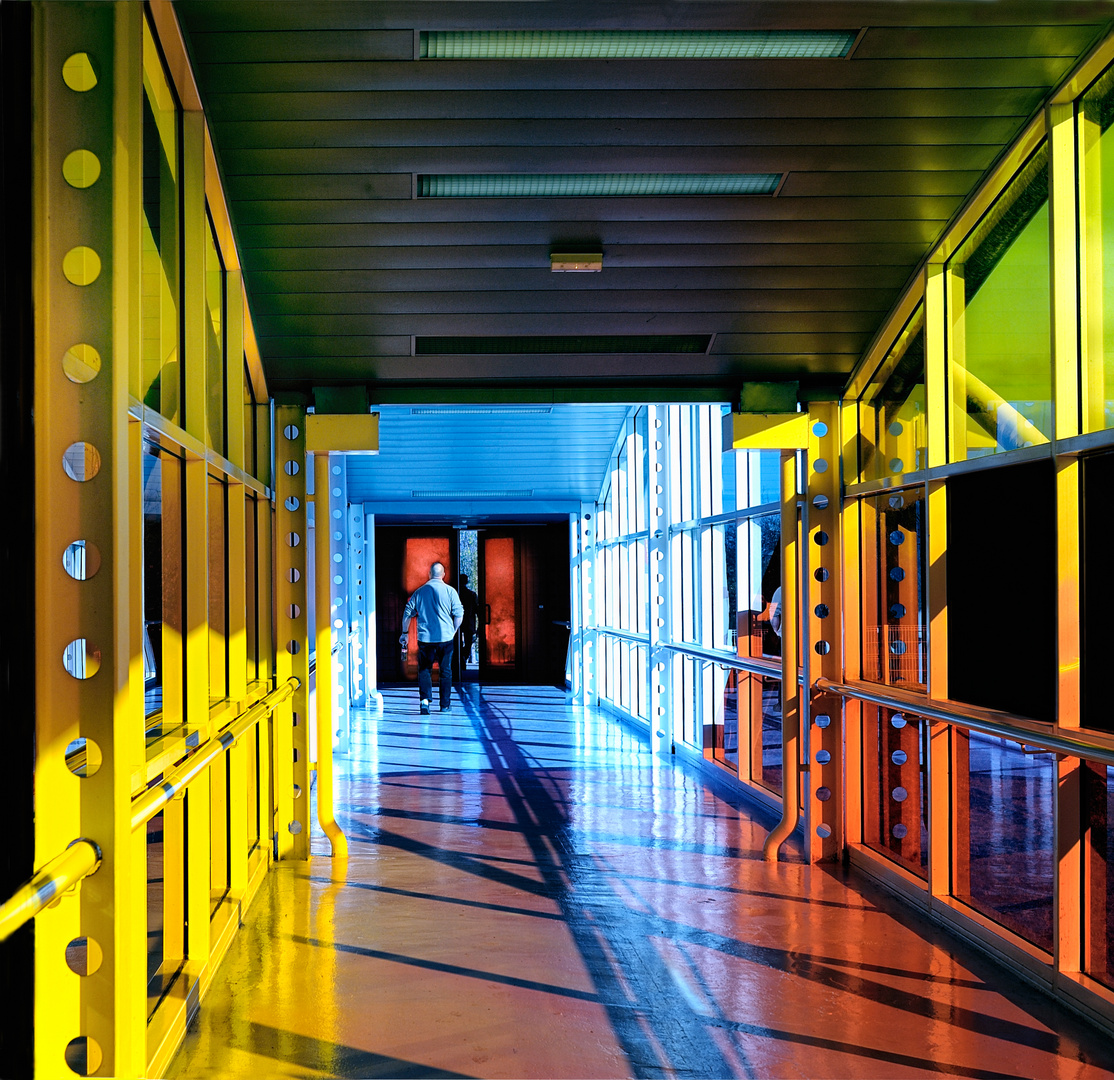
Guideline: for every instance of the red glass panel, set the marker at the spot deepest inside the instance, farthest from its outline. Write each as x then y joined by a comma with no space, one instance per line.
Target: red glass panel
499,596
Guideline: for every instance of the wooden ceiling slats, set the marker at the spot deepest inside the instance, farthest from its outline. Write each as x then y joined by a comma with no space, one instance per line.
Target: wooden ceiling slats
321,118
640,14
463,258
579,302
434,134
370,187
359,44
372,211
694,279
694,158
635,369
540,234
435,323
899,102
450,76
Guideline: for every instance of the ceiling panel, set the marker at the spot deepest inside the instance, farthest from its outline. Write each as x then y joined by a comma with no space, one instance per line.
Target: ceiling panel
558,453
322,118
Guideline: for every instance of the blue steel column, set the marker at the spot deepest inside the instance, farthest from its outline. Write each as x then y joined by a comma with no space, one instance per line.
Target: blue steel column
661,662
332,516
588,644
367,611
357,611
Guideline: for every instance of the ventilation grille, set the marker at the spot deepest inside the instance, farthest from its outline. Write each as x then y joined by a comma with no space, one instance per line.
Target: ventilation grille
481,410
591,185
635,44
466,493
636,343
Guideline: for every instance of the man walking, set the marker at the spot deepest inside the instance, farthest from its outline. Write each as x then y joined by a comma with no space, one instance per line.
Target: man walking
471,604
439,612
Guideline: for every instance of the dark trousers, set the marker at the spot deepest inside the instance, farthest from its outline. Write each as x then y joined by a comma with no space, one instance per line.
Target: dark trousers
441,654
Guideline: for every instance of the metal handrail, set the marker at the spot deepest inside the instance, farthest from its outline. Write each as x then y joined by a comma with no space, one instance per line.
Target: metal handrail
752,666
987,724
80,859
147,805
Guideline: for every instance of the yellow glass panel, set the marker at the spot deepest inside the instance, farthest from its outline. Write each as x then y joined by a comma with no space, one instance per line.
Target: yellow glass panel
1000,359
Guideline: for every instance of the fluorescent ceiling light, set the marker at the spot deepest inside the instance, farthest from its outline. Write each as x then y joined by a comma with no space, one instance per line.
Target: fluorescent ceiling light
592,185
576,262
635,44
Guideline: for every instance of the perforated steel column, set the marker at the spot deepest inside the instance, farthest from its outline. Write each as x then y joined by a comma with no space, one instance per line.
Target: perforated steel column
588,644
822,721
291,721
89,661
661,664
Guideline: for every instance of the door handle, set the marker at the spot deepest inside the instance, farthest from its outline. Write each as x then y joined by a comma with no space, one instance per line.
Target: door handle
487,621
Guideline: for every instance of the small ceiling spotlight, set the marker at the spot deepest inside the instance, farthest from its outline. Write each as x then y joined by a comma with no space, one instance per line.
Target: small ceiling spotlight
577,262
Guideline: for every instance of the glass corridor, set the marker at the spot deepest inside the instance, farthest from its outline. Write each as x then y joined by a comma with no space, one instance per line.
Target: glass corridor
945,730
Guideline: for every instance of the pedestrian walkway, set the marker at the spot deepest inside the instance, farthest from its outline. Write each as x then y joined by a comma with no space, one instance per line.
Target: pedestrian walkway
531,892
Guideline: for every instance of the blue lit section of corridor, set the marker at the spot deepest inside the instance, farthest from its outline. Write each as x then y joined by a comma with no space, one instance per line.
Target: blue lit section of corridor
532,892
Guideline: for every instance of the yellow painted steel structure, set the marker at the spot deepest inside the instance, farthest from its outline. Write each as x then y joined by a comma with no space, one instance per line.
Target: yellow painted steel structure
224,754
1078,428
201,754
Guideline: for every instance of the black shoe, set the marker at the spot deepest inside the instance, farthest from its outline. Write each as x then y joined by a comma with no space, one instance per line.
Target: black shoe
425,708
446,708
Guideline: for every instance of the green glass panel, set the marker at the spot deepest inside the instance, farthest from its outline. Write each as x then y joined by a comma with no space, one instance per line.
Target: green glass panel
1097,228
1000,370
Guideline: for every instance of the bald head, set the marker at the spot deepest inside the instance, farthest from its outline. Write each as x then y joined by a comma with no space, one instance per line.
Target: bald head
437,571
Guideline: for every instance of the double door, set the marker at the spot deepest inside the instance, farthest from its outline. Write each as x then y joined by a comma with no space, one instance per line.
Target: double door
521,578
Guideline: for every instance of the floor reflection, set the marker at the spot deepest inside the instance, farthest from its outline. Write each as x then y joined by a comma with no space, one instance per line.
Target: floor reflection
532,893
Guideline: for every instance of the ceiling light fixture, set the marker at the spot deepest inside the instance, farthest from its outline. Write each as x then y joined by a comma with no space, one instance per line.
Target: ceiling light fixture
635,44
567,262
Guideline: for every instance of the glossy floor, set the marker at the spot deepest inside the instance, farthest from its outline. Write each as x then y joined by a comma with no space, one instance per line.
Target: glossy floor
532,893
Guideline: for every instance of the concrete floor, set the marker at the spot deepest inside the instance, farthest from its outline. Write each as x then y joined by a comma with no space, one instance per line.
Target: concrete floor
531,893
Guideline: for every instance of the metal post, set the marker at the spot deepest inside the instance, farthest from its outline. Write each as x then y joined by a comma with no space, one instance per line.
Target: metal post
661,665
326,680
790,691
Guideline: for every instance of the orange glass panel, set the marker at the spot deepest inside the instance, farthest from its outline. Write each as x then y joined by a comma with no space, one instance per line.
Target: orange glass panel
421,552
499,594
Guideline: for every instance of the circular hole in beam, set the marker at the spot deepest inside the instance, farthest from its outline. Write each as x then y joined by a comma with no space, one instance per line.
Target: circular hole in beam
81,560
81,168
81,363
83,757
84,956
78,73
81,659
81,265
83,1055
81,461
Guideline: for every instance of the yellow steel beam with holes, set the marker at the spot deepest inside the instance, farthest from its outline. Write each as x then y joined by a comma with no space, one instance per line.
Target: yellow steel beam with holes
826,635
790,662
352,434
291,725
81,859
768,431
92,697
326,678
